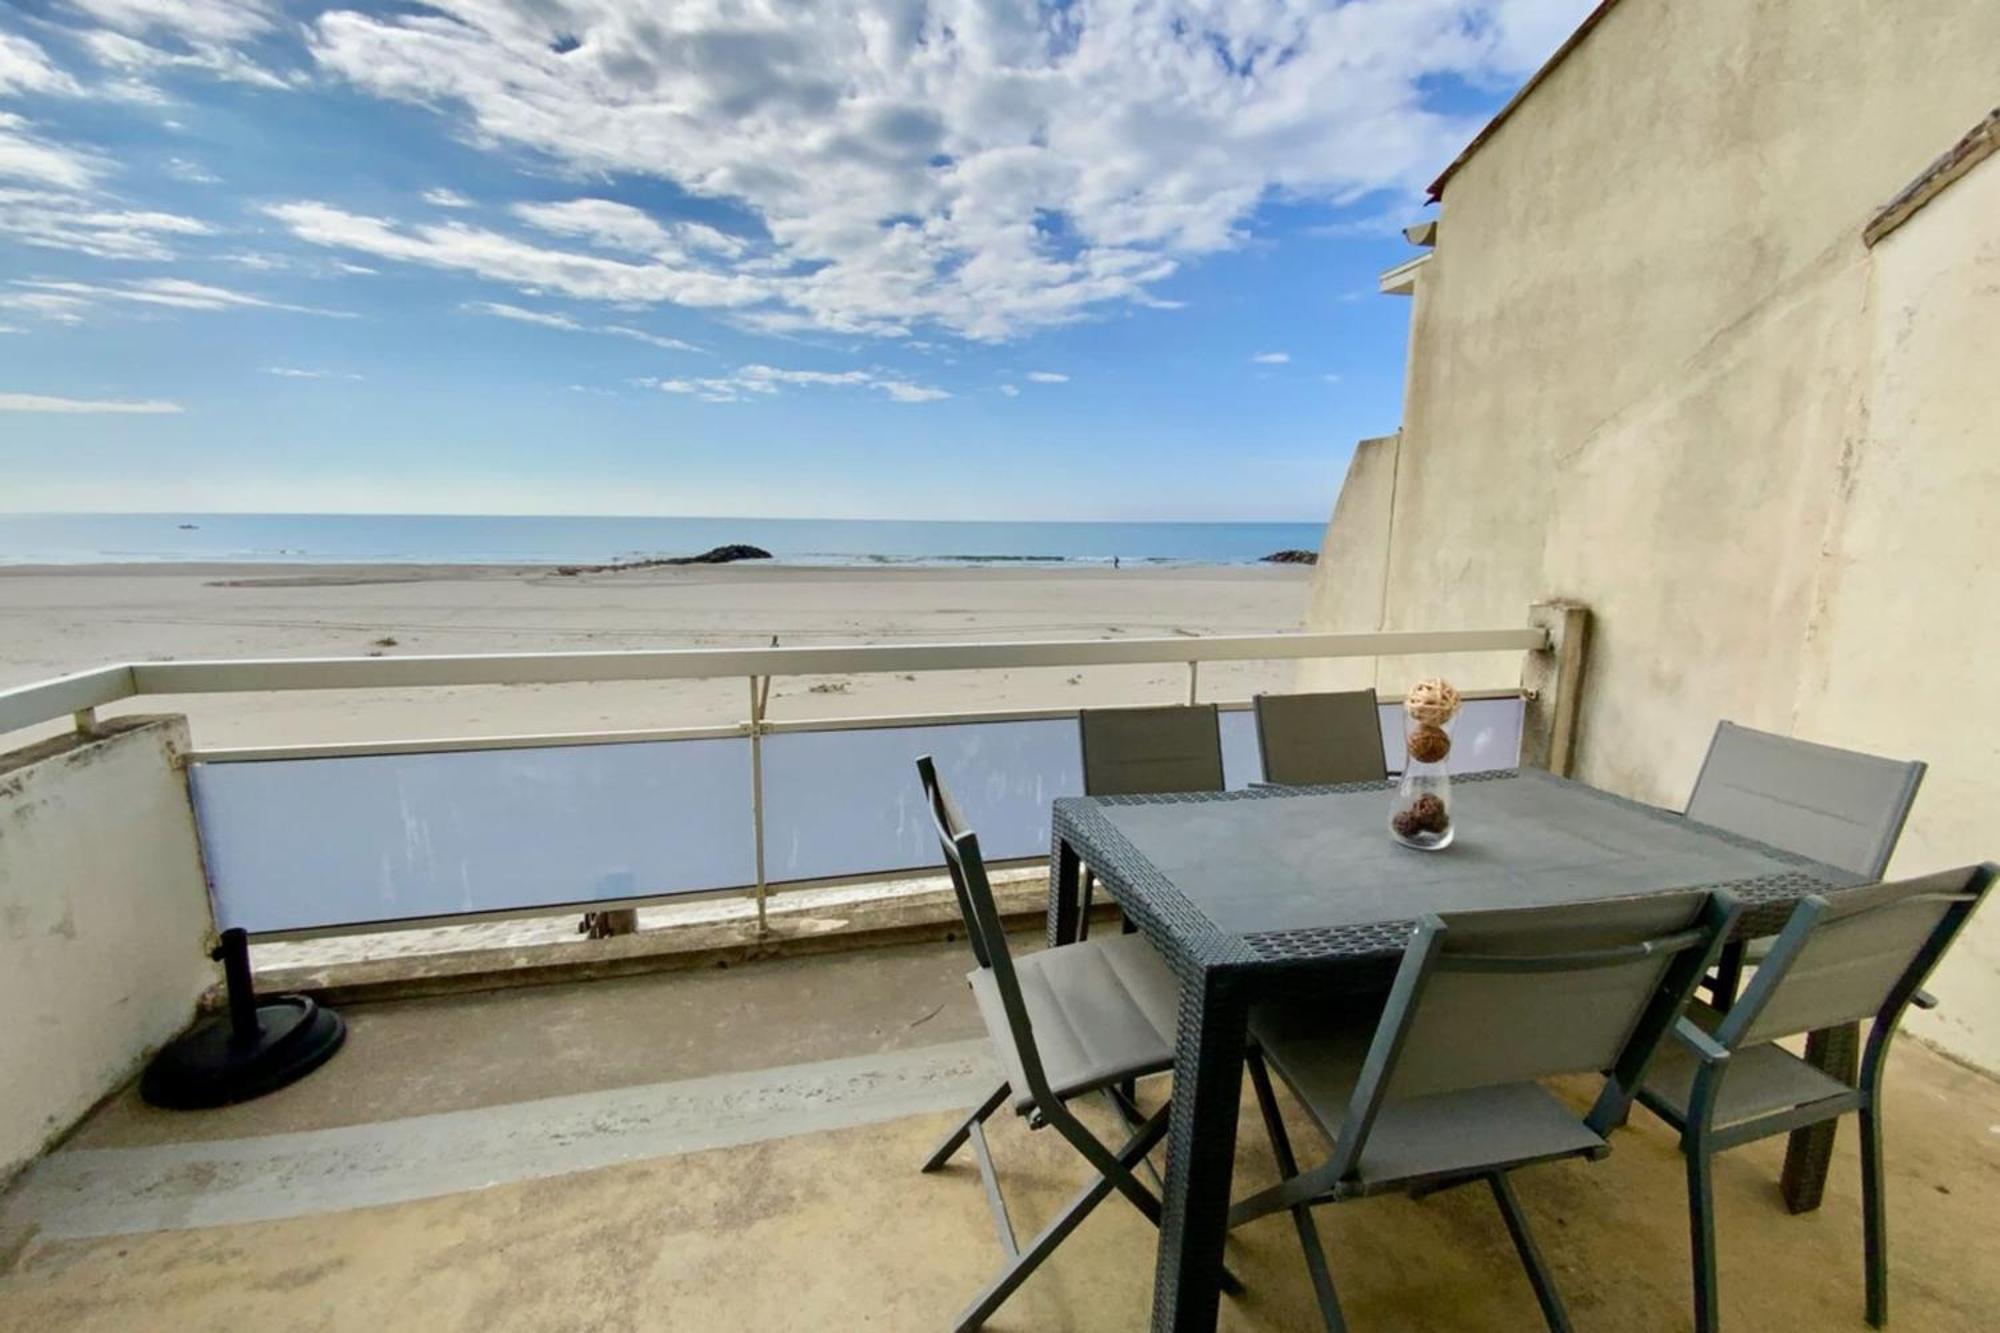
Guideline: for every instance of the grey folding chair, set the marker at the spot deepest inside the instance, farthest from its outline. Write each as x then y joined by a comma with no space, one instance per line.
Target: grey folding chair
1440,1089
1837,806
1068,1021
1724,1081
1308,739
1146,752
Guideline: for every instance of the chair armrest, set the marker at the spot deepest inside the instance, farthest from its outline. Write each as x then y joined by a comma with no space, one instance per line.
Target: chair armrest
1923,999
1706,1048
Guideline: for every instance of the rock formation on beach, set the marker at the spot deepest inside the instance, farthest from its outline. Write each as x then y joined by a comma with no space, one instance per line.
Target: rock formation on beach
720,555
1292,558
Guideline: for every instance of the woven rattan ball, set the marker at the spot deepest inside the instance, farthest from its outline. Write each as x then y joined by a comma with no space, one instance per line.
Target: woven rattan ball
1429,744
1430,814
1432,701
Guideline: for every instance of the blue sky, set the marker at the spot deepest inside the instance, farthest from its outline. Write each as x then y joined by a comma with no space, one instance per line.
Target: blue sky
889,259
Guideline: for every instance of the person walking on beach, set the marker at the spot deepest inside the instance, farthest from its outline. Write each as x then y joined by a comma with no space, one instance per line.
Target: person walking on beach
1114,562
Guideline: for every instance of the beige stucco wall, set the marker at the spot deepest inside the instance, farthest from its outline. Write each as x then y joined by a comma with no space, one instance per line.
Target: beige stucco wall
1356,545
1903,652
104,923
1656,370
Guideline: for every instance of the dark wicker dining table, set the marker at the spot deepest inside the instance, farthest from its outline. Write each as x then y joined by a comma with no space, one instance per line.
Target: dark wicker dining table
1300,895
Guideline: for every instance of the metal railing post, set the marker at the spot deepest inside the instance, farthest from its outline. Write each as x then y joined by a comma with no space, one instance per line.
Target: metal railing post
1552,686
760,693
85,720
1194,681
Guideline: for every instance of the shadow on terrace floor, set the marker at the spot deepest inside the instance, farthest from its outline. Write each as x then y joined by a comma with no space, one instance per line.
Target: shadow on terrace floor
738,1149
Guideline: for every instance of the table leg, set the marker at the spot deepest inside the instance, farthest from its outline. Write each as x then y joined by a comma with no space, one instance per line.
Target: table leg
1201,1155
1809,1152
1728,975
1065,893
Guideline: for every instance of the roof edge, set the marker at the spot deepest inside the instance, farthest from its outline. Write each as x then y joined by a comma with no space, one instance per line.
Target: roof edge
1575,39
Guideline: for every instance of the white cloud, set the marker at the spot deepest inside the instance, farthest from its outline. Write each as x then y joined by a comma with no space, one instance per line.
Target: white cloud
615,226
203,36
136,59
503,258
40,402
903,391
194,173
217,21
746,382
294,373
25,156
11,328
568,325
176,293
64,220
1048,377
985,168
1331,378
26,68
50,198
1272,358
1011,390
443,198
54,307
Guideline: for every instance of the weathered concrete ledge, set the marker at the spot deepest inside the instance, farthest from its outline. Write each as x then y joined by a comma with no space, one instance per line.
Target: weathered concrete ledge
793,933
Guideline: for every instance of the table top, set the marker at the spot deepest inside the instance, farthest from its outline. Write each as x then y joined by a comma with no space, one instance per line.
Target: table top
1310,874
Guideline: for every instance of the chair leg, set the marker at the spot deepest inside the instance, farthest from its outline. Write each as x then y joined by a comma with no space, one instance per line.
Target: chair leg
1083,900
997,1291
1531,1257
1701,1237
1874,1217
1135,1119
1302,1218
956,1139
1122,1179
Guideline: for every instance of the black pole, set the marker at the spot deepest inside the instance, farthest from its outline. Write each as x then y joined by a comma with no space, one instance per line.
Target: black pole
235,956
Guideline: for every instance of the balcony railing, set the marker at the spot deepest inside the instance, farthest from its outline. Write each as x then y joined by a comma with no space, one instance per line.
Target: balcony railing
309,839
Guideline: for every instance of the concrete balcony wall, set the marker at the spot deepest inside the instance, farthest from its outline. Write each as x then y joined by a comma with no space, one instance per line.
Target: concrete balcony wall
1347,584
104,922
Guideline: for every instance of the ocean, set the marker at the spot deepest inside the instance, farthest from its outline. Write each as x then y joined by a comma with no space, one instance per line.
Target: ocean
529,539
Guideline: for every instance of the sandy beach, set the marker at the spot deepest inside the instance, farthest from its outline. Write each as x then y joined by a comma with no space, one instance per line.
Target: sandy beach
58,619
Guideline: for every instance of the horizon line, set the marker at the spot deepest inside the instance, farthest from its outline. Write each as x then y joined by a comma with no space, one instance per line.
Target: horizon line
748,518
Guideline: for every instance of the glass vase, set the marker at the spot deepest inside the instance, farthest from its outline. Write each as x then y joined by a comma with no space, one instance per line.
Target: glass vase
1420,815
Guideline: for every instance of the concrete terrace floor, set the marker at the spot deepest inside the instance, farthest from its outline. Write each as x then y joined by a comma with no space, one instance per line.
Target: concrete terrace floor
738,1149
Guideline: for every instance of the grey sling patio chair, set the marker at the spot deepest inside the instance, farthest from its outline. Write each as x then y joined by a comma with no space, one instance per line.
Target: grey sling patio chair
1308,739
1440,1088
1146,752
1723,1080
1837,806
1080,1018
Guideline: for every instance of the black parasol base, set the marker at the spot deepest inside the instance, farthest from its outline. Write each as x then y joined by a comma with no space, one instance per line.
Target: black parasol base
258,1047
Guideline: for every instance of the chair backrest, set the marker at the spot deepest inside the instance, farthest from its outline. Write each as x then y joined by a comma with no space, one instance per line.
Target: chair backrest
1839,807
1305,739
982,922
1857,954
1150,751
1484,999
950,824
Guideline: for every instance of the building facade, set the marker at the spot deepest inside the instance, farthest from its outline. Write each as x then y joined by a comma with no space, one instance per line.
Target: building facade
1709,341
